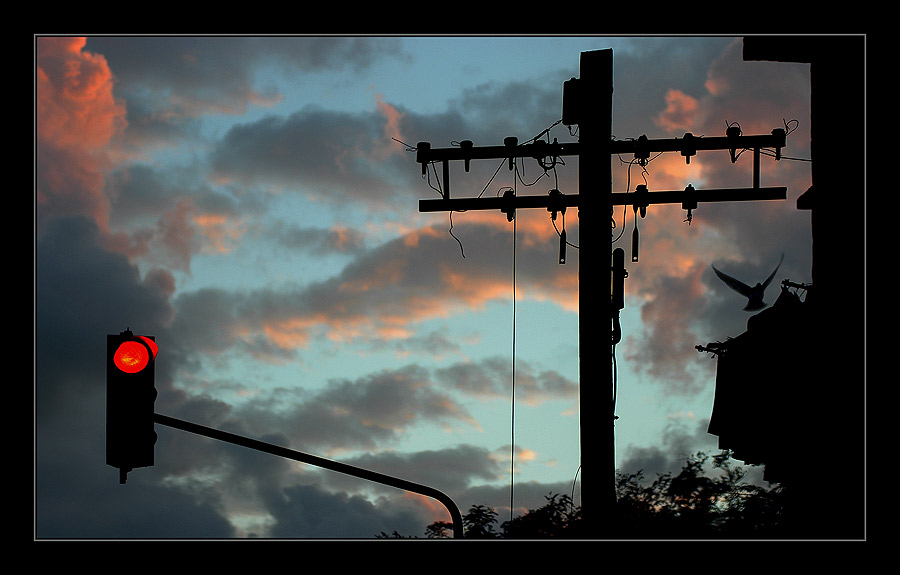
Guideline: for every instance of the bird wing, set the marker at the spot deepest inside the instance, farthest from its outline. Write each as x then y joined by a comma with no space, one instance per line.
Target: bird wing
769,279
734,284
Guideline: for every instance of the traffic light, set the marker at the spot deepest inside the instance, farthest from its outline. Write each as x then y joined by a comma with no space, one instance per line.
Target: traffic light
130,398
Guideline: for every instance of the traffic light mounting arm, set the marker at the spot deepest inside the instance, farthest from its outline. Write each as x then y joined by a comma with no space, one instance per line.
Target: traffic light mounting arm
130,417
318,462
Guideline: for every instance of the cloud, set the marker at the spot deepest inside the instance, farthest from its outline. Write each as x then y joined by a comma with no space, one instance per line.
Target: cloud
680,303
679,113
309,511
189,76
77,119
82,292
666,347
320,242
372,411
384,293
393,118
332,156
454,469
681,438
489,379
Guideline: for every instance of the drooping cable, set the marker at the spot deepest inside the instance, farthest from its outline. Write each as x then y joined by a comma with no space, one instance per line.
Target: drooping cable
461,250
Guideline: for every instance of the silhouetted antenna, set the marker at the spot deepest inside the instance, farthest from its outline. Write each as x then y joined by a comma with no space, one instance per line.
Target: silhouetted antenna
714,348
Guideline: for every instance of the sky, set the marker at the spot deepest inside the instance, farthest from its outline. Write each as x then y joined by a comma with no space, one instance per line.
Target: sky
252,202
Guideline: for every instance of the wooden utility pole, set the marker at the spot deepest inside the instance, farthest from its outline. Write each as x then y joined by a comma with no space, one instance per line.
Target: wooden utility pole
587,102
595,389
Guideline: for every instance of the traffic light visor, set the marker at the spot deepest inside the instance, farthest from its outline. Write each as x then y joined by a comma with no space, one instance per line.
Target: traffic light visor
134,355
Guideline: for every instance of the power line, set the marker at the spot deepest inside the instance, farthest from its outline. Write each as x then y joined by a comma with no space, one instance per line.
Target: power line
512,448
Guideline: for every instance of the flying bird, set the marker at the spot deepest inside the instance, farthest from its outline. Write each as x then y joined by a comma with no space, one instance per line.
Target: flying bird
753,294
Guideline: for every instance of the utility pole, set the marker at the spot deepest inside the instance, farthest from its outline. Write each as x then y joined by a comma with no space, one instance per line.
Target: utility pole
587,102
596,393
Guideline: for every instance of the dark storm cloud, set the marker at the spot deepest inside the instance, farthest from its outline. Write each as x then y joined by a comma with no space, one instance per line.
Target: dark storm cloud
327,154
647,68
220,72
83,292
486,115
681,439
310,511
489,379
522,109
169,81
454,469
367,413
82,289
143,191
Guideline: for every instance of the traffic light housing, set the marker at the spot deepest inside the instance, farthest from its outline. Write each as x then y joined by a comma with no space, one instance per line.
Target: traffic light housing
130,398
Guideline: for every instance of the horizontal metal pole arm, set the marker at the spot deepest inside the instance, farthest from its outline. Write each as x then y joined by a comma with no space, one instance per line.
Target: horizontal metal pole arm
700,196
699,143
540,149
617,199
497,203
318,462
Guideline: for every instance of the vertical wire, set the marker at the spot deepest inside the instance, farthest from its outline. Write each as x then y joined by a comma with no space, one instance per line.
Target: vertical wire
512,448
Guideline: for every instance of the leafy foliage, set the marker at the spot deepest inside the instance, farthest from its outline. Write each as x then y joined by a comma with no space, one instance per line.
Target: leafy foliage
557,518
479,522
694,504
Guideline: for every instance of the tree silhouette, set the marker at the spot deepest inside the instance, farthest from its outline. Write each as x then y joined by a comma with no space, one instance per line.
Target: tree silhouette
557,518
439,530
697,503
478,523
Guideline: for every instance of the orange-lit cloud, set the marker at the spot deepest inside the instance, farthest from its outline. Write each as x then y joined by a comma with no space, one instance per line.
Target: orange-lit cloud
392,118
384,296
680,112
672,303
77,118
220,231
182,231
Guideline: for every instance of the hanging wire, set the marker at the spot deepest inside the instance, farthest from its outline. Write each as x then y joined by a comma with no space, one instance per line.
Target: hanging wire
512,441
627,191
512,449
461,250
518,177
575,482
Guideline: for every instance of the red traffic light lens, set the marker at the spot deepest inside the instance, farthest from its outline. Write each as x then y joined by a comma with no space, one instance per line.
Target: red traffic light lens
134,355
